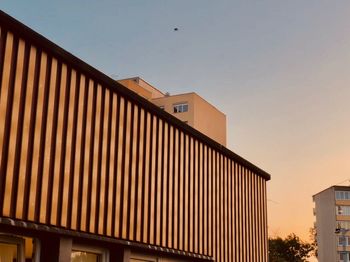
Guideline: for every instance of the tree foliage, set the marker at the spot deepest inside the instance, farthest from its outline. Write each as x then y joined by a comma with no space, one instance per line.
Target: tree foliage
290,249
313,238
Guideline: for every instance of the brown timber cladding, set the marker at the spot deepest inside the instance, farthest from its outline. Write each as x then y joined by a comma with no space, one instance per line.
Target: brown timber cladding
79,151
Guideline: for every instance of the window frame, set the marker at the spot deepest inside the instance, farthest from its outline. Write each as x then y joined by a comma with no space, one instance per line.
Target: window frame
18,241
102,253
342,195
180,107
346,241
342,210
347,254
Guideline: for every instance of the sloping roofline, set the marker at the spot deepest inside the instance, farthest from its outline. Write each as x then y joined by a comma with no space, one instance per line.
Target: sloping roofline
344,188
52,48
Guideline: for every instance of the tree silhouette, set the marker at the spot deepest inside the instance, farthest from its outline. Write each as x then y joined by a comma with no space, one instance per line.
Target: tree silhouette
290,249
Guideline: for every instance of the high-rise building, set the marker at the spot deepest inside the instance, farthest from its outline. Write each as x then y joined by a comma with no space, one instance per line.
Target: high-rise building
332,212
190,108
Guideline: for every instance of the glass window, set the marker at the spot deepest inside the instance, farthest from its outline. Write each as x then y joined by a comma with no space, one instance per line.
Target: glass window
344,224
343,241
342,195
343,210
8,252
18,249
81,256
89,254
344,256
180,108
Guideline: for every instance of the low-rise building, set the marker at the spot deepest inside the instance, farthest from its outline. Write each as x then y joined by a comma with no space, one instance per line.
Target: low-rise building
93,172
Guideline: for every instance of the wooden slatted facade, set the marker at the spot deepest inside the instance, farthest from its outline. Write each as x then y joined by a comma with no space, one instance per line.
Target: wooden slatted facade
80,152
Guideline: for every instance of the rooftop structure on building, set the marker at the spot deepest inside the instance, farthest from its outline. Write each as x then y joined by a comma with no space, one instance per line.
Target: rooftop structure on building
189,108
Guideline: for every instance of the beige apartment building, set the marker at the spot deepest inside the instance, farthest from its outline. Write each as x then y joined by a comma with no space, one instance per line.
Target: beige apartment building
190,108
332,212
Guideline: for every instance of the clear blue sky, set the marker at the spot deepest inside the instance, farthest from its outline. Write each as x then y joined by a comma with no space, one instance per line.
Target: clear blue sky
278,69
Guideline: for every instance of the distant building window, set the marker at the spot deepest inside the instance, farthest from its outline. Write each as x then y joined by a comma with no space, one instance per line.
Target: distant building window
342,195
162,107
344,224
343,210
180,108
343,241
344,256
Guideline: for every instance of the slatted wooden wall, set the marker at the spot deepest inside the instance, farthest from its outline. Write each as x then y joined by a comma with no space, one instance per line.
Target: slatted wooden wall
81,153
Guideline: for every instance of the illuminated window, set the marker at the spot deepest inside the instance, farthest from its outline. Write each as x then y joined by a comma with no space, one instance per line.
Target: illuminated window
180,108
18,249
89,254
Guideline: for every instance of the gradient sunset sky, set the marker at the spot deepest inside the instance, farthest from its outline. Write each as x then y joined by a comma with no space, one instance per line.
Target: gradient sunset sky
279,70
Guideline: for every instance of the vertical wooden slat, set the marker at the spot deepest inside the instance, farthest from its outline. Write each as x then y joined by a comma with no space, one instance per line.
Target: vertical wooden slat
133,172
37,116
191,194
86,170
117,165
68,144
21,139
102,195
140,174
73,149
164,222
182,143
97,159
176,213
5,94
43,154
76,216
96,142
34,71
120,168
58,156
222,208
111,162
11,127
200,229
229,210
195,196
186,222
51,176
239,213
210,203
9,96
148,170
3,65
226,208
152,202
125,201
158,181
205,199
171,191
